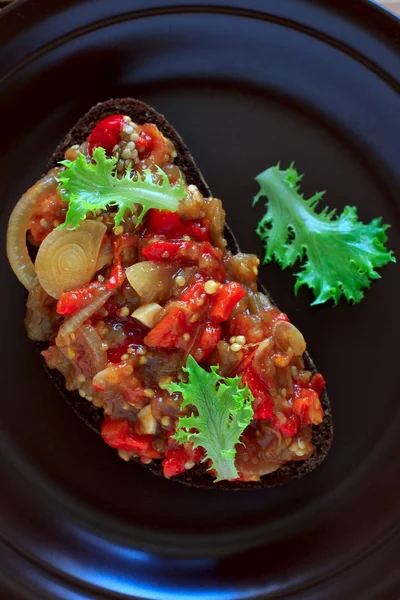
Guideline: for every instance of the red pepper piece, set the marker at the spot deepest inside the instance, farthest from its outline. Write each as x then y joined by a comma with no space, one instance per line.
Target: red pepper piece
164,250
307,406
70,302
119,434
207,248
226,299
164,222
177,460
117,273
282,317
106,133
260,392
174,462
317,383
206,341
184,251
198,229
195,295
290,427
114,431
169,331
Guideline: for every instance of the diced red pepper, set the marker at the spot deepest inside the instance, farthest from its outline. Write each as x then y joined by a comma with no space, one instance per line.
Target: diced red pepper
195,295
177,460
225,300
117,276
119,434
174,462
282,317
259,389
180,250
117,273
290,427
164,222
114,431
255,328
165,250
198,229
70,302
206,341
207,248
169,331
106,133
317,383
307,405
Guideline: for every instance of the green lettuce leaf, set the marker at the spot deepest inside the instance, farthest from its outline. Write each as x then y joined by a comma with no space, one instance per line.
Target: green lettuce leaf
339,253
223,413
91,186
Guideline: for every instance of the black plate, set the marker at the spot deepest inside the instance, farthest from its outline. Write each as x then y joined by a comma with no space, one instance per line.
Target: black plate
247,83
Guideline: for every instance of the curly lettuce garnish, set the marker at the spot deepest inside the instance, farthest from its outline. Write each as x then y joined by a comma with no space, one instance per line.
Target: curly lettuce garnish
223,413
339,253
88,187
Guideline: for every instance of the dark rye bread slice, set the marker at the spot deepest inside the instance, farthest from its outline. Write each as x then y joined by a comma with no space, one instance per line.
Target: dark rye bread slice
322,434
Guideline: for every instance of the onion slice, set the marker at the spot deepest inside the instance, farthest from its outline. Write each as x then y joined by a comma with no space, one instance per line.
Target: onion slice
105,257
67,260
91,342
19,224
151,280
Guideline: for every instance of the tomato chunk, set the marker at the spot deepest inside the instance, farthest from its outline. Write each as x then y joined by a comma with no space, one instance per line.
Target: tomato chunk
106,133
119,434
226,299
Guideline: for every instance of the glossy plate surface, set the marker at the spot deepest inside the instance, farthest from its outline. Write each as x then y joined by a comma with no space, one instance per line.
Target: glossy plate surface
247,83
